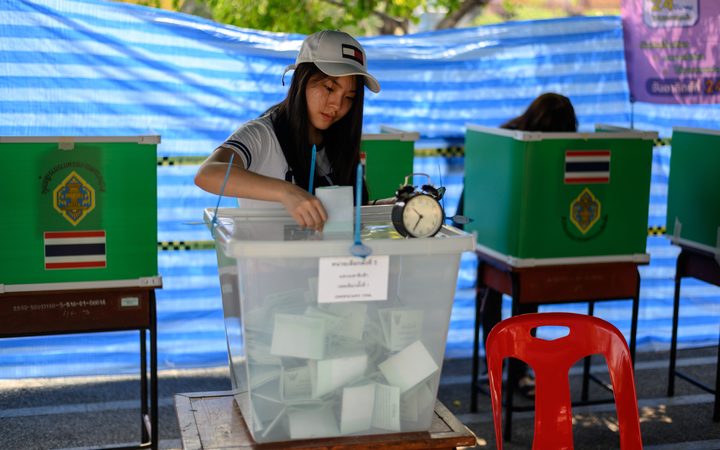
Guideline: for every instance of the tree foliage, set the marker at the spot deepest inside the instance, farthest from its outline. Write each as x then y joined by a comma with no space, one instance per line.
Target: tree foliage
364,17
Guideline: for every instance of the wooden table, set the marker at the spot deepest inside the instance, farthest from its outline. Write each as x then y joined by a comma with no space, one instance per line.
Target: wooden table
212,420
552,284
704,266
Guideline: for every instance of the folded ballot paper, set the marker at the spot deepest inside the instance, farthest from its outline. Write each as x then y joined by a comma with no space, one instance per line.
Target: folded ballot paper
312,421
409,367
298,336
400,326
333,373
370,406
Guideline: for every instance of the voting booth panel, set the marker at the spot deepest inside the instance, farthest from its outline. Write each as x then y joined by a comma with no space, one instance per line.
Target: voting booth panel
327,344
388,158
78,209
693,214
558,198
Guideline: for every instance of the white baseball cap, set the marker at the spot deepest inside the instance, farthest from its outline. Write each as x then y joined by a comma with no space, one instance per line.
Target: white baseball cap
336,54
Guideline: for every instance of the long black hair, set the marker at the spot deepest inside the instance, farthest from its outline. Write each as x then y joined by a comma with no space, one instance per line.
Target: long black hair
548,112
341,140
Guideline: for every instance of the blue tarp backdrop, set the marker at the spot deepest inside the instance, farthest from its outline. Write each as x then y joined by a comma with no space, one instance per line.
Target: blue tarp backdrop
93,68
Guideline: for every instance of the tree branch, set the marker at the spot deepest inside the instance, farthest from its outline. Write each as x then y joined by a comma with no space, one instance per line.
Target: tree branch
453,18
389,23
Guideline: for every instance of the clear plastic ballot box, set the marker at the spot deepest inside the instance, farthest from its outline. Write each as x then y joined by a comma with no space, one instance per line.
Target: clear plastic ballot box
693,214
327,344
558,198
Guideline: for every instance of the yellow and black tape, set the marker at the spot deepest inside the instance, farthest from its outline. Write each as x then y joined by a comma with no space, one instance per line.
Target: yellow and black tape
447,152
662,142
180,160
186,245
657,230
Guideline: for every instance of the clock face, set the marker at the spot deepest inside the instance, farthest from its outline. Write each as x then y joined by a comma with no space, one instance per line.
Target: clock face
422,216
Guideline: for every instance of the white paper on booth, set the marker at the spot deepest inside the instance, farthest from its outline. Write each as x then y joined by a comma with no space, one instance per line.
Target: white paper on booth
313,422
353,279
298,336
296,383
330,374
408,367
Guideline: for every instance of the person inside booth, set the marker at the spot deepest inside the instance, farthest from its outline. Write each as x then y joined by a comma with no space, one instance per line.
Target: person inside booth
549,112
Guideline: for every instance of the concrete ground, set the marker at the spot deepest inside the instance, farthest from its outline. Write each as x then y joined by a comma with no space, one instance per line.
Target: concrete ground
80,413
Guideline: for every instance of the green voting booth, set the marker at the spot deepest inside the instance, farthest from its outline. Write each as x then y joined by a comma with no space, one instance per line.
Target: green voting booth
78,209
388,158
79,245
557,198
693,214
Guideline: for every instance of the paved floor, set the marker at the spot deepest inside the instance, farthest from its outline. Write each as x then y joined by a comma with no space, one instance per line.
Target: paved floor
80,413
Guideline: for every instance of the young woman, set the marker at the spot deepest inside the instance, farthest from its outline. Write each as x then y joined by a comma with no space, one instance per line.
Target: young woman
271,155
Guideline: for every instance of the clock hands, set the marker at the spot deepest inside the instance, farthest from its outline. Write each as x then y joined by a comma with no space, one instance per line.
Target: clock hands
420,217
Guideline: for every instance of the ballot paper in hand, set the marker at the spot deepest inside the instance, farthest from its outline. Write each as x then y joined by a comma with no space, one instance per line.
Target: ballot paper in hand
370,406
338,203
409,367
298,336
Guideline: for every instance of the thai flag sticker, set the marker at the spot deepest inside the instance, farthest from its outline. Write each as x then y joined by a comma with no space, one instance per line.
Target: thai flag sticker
587,166
352,52
74,249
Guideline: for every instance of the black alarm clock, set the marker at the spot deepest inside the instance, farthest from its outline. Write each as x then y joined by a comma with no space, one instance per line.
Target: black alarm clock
418,213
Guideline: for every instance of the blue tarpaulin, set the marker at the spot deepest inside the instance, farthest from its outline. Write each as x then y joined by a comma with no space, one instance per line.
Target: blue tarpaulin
94,68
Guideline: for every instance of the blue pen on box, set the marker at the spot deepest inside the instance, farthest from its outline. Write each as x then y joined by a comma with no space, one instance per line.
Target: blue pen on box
312,170
358,248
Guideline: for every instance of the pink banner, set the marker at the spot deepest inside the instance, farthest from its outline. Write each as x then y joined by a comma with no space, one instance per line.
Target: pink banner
672,50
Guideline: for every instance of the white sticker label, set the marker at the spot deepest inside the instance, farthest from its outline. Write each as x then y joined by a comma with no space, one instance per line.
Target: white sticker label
129,302
353,279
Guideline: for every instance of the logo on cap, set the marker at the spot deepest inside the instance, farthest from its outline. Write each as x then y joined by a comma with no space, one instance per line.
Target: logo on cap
352,52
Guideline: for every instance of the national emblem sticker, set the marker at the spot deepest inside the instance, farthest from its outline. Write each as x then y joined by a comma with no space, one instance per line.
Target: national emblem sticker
585,210
74,198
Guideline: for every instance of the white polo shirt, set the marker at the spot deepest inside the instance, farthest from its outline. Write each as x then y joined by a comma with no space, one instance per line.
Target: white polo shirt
257,146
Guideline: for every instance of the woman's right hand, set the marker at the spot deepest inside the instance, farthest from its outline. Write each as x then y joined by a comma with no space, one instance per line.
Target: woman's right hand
307,210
